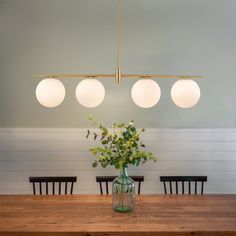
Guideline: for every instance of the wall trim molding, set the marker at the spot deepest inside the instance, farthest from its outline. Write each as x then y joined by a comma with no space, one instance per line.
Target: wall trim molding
60,151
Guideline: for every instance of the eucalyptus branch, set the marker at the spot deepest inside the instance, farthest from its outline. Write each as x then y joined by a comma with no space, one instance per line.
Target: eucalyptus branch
119,148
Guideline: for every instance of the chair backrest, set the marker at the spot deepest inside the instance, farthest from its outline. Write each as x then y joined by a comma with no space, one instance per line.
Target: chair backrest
107,179
53,180
183,179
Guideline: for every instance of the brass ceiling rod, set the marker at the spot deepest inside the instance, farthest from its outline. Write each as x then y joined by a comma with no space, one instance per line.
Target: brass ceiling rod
118,75
118,70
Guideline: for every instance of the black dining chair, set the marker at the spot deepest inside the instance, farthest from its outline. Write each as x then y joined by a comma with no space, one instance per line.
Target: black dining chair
55,182
107,179
182,180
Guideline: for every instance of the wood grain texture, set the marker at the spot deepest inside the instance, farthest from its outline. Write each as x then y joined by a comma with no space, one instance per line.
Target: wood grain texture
91,215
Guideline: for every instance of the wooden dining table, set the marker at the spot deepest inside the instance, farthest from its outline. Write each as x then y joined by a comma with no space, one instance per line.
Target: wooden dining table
92,215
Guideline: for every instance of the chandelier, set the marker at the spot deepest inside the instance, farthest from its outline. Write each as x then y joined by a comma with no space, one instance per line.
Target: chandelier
90,92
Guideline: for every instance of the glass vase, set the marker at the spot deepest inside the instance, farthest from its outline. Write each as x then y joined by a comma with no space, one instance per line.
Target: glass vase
123,192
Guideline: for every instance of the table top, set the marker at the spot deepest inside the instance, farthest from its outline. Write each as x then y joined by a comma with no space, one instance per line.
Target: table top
91,215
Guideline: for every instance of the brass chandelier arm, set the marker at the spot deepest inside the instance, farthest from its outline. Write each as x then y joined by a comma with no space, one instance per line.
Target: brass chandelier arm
88,76
158,76
127,76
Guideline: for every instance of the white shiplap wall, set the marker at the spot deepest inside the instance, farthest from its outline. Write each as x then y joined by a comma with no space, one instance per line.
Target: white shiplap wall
40,152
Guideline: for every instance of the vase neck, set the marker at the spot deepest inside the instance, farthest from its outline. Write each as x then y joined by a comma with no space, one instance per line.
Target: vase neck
123,171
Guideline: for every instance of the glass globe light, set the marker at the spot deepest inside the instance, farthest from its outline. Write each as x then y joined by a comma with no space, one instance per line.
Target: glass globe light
146,93
185,93
50,92
90,93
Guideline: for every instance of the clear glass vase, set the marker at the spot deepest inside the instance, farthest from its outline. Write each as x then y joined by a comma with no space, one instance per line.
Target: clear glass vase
123,192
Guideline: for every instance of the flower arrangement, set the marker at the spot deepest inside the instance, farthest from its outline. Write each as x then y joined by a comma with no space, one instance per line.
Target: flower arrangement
120,146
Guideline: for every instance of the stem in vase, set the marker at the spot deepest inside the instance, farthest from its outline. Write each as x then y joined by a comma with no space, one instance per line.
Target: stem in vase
123,173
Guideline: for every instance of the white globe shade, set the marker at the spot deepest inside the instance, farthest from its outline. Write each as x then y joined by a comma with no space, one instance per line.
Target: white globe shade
185,93
90,93
146,93
50,92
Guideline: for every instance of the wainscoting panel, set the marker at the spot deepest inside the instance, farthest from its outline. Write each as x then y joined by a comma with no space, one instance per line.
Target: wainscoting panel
50,152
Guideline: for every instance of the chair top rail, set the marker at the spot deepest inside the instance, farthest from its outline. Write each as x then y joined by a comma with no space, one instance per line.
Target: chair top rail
183,178
53,179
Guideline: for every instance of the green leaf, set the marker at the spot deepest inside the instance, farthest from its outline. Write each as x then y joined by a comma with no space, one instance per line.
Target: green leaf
134,144
133,129
95,136
104,141
137,162
88,133
117,166
94,164
93,151
104,164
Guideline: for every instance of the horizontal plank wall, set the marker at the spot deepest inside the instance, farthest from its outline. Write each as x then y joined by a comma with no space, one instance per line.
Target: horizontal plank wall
45,152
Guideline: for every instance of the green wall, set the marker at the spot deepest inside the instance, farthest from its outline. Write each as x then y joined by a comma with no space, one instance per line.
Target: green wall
78,36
